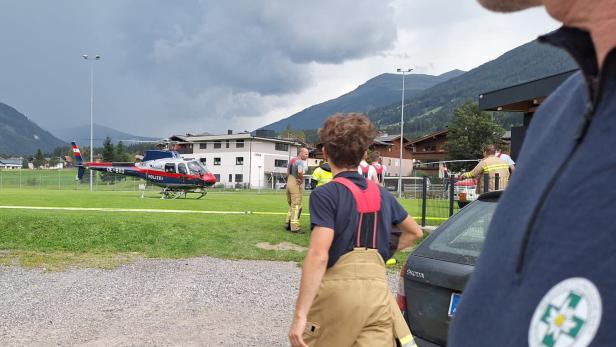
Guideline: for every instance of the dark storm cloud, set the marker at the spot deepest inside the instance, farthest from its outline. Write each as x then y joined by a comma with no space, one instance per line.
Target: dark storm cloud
250,46
183,65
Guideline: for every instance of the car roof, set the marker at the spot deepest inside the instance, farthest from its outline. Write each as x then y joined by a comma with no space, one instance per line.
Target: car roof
495,195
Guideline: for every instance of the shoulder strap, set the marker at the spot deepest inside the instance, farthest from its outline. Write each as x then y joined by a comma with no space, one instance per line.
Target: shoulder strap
368,200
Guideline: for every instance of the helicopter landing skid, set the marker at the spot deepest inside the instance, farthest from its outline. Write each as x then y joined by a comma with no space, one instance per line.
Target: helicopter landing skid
169,194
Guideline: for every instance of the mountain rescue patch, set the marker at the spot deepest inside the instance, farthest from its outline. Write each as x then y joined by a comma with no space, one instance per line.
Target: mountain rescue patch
567,316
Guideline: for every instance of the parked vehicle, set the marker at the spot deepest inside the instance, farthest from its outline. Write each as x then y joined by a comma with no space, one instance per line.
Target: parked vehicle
465,191
436,272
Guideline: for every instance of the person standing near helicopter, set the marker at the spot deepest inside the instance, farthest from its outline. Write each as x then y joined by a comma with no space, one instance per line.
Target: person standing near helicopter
295,187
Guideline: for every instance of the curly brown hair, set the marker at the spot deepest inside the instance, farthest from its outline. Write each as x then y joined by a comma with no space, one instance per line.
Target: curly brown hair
346,137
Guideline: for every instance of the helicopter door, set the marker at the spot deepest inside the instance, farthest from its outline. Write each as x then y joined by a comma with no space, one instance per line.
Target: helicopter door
182,169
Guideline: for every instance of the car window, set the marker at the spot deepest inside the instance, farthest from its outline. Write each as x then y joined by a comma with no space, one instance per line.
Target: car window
461,238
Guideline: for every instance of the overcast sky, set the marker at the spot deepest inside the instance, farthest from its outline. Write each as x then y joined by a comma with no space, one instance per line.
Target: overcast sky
195,66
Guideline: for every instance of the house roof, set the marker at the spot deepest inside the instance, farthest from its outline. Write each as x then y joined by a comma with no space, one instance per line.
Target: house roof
523,97
387,139
10,162
429,136
240,136
381,143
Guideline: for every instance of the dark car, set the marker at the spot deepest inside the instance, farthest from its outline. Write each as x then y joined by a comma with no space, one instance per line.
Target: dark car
436,272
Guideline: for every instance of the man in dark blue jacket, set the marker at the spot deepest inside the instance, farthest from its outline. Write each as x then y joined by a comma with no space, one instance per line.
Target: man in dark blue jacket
547,273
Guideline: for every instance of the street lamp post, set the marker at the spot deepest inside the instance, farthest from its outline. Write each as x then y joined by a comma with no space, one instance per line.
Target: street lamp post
96,57
404,71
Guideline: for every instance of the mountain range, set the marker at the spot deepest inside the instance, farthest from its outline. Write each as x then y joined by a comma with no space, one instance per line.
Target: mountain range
81,134
379,91
431,100
20,136
432,109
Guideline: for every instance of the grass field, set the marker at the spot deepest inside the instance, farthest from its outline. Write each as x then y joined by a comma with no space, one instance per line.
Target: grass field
56,239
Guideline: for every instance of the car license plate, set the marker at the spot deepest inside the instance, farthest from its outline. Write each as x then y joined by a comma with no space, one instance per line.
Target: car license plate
453,304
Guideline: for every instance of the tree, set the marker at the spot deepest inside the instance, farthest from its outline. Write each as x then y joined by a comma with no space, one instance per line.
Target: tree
108,154
469,131
24,163
290,133
121,153
39,159
108,150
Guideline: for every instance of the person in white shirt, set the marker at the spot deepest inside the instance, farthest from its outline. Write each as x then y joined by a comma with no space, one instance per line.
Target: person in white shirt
367,170
379,167
505,157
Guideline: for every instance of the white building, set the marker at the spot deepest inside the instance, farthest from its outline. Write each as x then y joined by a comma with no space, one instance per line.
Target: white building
11,163
239,160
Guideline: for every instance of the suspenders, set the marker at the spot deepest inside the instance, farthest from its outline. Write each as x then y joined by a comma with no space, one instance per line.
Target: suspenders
368,207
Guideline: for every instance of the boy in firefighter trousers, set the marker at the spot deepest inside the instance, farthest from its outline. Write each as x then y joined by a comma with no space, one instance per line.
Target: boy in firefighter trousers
344,297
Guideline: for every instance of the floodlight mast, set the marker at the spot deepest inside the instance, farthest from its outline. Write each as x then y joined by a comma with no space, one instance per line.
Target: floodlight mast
403,71
87,57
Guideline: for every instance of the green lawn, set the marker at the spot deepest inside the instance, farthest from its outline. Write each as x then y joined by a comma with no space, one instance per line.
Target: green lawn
56,239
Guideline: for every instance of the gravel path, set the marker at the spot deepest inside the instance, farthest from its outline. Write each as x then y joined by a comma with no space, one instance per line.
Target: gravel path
194,302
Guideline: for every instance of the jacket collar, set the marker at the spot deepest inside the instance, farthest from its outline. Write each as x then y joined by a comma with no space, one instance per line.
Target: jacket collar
578,43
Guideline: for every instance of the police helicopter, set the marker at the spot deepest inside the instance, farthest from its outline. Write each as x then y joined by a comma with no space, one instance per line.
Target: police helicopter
165,169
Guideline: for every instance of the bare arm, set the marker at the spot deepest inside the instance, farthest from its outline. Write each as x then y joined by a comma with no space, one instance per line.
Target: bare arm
411,232
315,265
300,175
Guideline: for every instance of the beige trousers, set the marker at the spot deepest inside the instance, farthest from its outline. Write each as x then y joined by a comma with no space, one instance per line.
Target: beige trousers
354,306
294,199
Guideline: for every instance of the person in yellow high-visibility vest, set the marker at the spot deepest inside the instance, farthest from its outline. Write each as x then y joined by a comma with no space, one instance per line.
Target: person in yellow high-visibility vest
322,174
490,165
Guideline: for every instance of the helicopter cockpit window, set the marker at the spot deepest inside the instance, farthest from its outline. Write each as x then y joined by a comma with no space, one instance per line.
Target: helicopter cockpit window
170,167
195,168
182,169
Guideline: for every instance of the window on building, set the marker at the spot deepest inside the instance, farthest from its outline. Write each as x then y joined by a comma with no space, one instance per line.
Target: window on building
239,160
227,143
239,178
230,177
280,163
182,169
282,147
203,160
203,145
217,144
239,143
217,176
216,161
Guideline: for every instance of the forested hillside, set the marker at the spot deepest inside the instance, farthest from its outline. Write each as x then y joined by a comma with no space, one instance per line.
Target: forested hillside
377,92
431,109
21,136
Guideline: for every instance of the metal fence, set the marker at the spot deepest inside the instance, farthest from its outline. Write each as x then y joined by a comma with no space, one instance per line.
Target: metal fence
65,179
439,199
